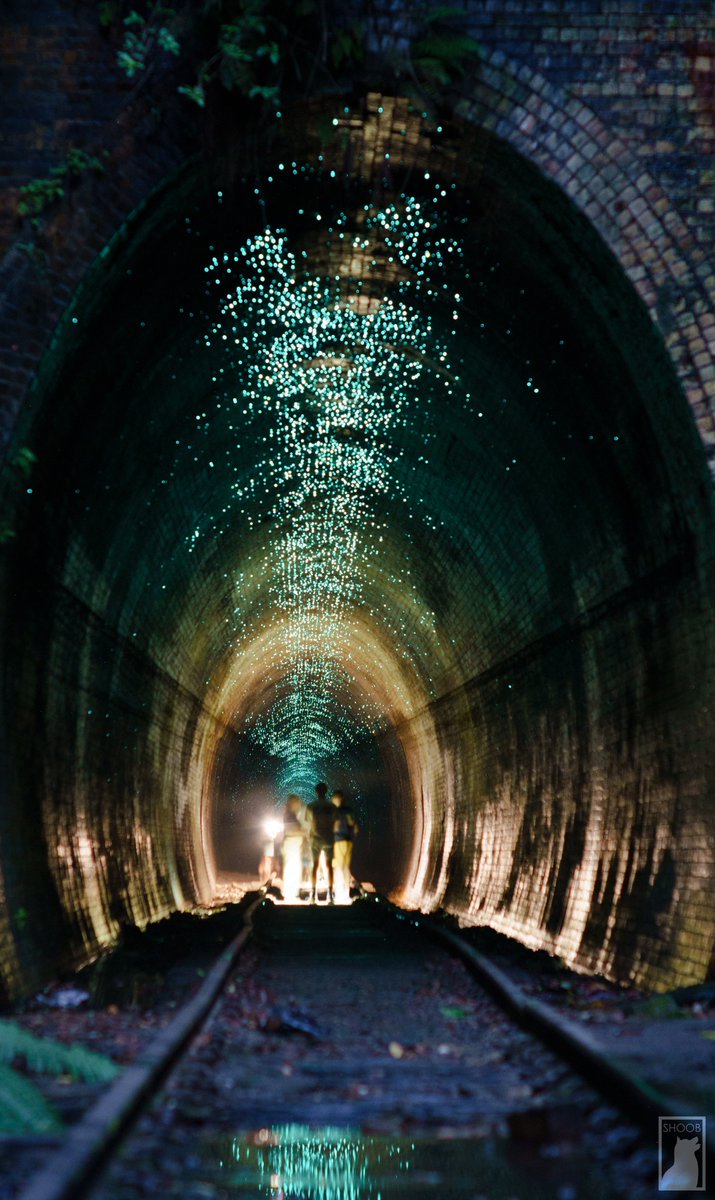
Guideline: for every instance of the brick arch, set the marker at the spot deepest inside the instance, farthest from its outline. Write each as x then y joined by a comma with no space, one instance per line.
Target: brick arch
137,184
603,176
36,296
566,140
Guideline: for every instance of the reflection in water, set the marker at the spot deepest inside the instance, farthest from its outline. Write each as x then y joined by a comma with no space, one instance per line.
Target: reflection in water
294,1162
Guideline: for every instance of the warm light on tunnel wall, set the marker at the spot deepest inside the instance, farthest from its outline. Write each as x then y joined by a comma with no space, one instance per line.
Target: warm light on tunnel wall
480,538
380,681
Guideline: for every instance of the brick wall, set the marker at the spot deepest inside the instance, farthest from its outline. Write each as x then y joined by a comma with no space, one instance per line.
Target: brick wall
588,769
572,809
611,99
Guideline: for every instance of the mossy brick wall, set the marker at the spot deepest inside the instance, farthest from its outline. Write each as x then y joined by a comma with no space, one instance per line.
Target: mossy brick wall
572,809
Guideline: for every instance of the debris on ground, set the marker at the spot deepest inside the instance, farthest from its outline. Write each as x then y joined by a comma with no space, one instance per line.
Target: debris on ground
57,996
290,1020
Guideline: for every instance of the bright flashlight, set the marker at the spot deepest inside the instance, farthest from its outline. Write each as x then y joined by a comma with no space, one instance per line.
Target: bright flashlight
273,827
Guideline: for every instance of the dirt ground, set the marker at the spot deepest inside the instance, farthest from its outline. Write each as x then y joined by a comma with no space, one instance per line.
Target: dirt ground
333,1020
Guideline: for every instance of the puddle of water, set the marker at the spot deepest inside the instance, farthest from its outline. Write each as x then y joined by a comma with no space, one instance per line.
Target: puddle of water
296,1162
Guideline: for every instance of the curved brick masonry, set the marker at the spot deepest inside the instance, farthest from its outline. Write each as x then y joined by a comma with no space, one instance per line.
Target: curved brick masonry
548,765
616,108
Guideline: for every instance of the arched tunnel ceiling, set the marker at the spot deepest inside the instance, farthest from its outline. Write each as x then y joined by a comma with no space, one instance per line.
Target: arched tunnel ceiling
331,442
300,398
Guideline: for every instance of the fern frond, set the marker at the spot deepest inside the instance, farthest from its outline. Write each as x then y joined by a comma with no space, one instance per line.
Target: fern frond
48,1057
23,1108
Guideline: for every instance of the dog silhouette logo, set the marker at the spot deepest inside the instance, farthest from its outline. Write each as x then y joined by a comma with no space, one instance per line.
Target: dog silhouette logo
681,1154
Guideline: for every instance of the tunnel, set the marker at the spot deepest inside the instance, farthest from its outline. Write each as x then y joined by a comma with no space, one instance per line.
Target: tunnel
366,463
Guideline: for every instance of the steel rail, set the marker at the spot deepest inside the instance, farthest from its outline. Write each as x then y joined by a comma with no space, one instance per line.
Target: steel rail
632,1095
70,1170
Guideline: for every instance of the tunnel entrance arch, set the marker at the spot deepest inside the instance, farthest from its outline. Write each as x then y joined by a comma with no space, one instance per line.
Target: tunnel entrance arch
561,552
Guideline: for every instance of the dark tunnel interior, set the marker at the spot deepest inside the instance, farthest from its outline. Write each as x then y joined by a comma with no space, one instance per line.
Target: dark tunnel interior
368,466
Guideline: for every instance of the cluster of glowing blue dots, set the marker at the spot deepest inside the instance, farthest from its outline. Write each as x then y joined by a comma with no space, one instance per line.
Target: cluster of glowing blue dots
327,373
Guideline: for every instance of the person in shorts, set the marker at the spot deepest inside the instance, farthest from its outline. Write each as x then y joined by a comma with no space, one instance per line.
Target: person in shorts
345,830
292,849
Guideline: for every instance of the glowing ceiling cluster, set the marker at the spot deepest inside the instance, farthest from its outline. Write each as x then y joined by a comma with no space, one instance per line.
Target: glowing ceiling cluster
329,374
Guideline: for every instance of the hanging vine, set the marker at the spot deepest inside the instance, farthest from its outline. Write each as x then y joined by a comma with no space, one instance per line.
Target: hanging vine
265,53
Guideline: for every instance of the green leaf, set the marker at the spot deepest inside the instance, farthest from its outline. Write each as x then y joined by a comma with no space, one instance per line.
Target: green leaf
233,50
454,1012
135,44
251,22
167,41
194,92
6,535
38,194
48,1057
129,64
231,32
134,18
78,161
23,1108
270,51
270,94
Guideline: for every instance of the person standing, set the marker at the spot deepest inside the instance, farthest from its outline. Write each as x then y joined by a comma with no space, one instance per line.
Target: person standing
322,816
345,830
292,849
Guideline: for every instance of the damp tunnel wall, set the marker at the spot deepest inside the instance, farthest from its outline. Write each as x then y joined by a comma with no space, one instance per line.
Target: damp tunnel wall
535,636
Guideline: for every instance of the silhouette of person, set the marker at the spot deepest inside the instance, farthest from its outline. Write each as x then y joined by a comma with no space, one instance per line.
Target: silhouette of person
294,833
345,830
267,865
322,816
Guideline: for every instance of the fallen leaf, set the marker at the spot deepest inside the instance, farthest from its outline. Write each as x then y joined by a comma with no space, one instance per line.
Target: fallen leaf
453,1012
396,1050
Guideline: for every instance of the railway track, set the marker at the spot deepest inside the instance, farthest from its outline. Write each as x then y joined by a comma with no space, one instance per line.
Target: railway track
376,1051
